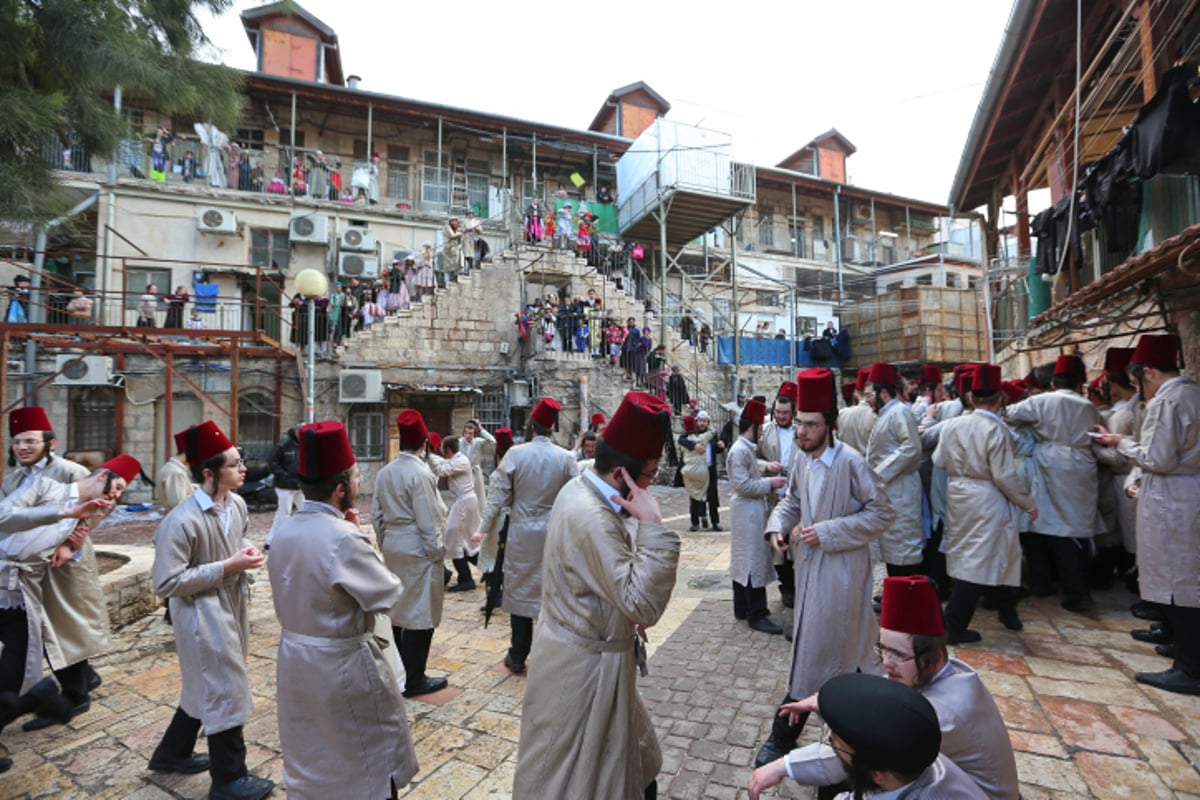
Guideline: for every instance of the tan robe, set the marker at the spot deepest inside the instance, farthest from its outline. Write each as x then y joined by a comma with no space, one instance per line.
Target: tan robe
985,493
1168,509
452,249
834,624
584,731
408,514
208,609
695,466
174,483
1064,477
342,723
526,482
854,424
462,520
751,558
894,451
1122,420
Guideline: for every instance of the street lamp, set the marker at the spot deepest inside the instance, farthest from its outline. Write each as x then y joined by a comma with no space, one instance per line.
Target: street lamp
311,284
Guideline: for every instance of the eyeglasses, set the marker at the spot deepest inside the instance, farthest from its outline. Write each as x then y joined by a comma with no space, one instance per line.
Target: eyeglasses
810,426
26,442
241,462
648,475
888,654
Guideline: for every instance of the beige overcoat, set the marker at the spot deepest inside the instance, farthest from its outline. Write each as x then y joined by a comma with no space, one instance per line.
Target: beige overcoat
1168,508
834,625
409,515
751,559
208,609
526,482
985,497
1125,419
174,483
695,465
854,424
894,452
342,722
1064,476
584,731
462,520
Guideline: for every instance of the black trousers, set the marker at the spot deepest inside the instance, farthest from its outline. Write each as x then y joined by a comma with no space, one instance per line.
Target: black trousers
784,735
894,570
226,750
965,596
521,639
713,499
1067,555
786,572
73,682
696,509
413,647
1185,630
934,561
14,634
749,602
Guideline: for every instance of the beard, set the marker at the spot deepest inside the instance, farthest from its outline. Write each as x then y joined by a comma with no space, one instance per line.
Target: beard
815,446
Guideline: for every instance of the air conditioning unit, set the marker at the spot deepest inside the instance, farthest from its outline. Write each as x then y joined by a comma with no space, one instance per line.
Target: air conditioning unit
309,229
862,212
217,220
360,386
83,370
358,265
357,239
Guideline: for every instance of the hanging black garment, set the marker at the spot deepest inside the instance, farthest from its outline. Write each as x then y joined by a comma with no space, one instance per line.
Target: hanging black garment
1165,134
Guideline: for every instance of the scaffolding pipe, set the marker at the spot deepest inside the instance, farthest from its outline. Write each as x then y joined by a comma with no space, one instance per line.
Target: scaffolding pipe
291,181
837,242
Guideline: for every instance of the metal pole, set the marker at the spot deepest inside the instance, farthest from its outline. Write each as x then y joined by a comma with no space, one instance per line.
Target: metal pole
737,333
662,287
535,177
793,228
370,124
504,157
837,242
439,165
112,165
312,357
292,151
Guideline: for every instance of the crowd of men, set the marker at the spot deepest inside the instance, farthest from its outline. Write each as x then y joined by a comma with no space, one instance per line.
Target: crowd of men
951,485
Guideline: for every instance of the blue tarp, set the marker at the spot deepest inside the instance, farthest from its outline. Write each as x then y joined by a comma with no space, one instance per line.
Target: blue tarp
767,353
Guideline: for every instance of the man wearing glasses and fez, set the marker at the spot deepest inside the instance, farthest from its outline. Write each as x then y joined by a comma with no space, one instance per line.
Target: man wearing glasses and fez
835,506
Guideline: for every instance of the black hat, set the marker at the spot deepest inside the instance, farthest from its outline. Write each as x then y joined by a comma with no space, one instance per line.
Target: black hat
890,725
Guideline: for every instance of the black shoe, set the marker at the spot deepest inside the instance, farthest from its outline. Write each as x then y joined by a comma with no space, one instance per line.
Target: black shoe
93,679
446,576
788,600
963,637
55,711
787,634
717,527
246,787
1144,609
1165,650
770,751
765,625
5,764
1171,680
462,587
513,666
1010,620
192,765
694,528
1151,636
877,607
1078,605
426,685
704,523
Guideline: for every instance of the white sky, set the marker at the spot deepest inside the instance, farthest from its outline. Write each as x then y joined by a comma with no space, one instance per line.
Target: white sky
901,80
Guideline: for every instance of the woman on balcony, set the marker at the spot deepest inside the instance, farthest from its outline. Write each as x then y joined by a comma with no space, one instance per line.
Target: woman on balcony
175,303
147,306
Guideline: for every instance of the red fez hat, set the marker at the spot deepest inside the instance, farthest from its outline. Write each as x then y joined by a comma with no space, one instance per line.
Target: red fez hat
640,426
412,429
324,450
435,442
125,466
689,423
963,378
815,390
504,438
1071,366
1155,350
986,379
1116,359
931,373
204,441
546,412
884,373
861,381
910,605
1012,390
181,441
597,419
755,411
848,393
789,389
31,418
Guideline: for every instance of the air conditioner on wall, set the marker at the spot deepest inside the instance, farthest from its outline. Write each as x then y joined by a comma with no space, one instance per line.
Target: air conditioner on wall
83,370
358,265
360,386
309,229
357,239
217,220
862,212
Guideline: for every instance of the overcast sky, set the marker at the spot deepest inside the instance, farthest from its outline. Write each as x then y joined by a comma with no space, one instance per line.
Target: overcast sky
901,80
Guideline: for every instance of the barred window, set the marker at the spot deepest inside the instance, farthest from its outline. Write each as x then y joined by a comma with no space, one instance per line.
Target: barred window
368,431
256,426
93,419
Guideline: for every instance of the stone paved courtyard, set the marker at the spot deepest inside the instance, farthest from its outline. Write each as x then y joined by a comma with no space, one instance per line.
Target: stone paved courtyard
1081,726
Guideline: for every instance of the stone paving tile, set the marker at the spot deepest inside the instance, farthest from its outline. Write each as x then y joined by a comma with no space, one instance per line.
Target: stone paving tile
1083,725
1120,778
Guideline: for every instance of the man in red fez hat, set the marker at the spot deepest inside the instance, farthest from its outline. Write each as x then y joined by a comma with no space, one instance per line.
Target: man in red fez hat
1065,488
931,390
409,516
981,541
475,444
855,421
174,479
894,452
58,606
32,451
347,737
912,648
835,506
1125,418
462,520
1168,509
597,422
583,728
751,565
201,559
526,483
777,446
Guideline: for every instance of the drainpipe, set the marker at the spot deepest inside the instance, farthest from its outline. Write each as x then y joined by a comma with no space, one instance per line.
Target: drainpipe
837,242
112,164
439,164
370,122
292,151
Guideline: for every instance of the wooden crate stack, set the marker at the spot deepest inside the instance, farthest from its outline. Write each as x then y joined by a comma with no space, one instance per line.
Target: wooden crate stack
918,324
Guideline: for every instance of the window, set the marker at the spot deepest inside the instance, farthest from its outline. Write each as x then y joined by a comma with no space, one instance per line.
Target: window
368,433
249,138
136,117
796,235
722,314
887,254
285,138
256,427
806,325
925,280
973,283
435,180
93,419
674,311
530,190
138,280
952,280
894,286
766,228
492,410
397,172
269,248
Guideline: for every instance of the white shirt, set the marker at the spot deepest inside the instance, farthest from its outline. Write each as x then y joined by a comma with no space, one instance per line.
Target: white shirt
206,502
33,472
605,490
